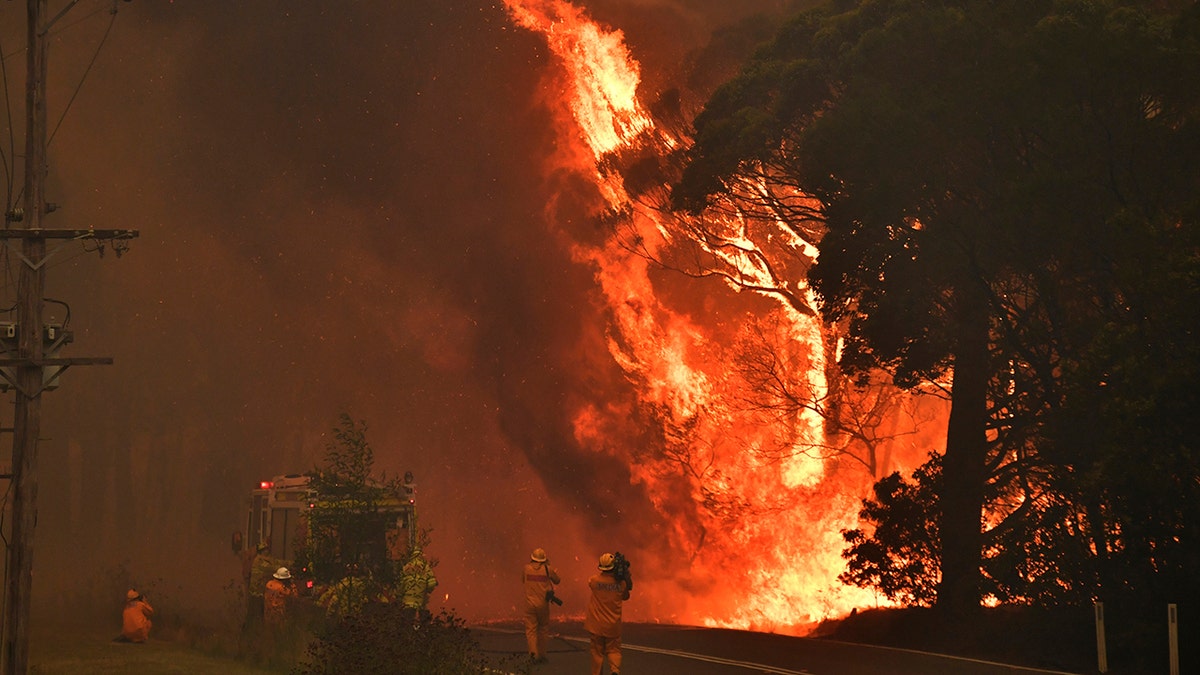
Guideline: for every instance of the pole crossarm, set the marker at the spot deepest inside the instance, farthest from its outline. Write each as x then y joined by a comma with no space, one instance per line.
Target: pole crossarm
46,233
62,364
73,361
39,234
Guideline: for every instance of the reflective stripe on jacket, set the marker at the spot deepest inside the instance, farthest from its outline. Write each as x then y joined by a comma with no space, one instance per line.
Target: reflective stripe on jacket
538,578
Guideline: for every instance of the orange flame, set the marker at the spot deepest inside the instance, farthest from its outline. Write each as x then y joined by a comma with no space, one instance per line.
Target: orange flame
758,534
605,78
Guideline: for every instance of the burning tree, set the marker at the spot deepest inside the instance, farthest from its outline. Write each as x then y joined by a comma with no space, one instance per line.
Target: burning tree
969,173
862,419
751,487
978,170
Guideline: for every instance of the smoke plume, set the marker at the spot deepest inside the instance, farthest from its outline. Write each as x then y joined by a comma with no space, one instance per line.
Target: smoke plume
342,208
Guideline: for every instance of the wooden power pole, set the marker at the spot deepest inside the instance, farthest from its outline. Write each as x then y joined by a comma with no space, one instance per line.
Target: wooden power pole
27,420
26,371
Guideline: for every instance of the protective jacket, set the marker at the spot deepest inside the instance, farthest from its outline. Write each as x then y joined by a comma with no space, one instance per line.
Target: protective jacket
135,620
348,596
260,571
604,607
275,599
538,577
417,582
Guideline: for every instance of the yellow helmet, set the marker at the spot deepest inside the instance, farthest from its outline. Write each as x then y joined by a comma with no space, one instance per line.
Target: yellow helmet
538,555
606,562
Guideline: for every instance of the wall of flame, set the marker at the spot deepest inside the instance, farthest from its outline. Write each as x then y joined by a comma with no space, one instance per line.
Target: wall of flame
753,535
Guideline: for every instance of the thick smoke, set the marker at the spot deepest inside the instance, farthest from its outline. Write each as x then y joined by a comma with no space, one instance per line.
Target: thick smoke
341,210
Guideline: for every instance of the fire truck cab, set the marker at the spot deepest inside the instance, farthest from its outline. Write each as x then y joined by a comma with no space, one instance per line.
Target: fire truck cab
275,515
284,510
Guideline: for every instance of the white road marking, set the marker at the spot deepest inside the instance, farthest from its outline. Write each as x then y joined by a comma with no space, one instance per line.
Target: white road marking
773,670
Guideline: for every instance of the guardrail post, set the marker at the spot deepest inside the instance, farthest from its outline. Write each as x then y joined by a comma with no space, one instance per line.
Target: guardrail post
1173,637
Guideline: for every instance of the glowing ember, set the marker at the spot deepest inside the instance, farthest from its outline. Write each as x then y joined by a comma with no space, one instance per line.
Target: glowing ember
757,535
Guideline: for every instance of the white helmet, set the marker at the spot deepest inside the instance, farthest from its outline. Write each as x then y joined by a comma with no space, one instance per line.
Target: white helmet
282,573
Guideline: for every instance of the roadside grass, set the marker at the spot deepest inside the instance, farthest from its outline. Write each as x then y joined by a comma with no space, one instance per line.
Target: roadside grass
73,632
74,653
80,648
75,635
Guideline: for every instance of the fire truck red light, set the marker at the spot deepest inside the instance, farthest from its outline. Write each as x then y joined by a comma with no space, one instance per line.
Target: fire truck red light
265,485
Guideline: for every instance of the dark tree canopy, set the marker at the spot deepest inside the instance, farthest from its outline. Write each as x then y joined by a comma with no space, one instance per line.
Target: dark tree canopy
900,557
1009,204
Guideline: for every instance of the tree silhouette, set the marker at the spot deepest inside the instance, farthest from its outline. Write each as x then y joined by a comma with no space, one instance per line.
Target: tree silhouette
979,169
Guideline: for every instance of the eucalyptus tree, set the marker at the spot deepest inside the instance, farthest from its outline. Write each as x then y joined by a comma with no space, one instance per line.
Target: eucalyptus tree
977,165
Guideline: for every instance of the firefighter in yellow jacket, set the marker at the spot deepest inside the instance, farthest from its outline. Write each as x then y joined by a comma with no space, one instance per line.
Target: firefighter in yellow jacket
417,582
539,579
603,618
350,594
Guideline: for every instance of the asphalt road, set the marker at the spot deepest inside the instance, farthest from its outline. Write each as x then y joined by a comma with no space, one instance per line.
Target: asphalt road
679,650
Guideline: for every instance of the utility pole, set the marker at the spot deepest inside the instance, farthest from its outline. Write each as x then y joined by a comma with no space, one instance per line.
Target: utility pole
27,419
28,367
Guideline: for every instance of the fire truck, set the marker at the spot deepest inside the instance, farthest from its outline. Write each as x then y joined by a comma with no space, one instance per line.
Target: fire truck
320,535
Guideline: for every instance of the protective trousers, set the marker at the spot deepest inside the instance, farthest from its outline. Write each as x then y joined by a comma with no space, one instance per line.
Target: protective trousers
606,647
537,629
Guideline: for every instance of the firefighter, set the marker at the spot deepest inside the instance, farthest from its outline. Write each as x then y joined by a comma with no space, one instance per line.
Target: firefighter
539,579
417,582
135,618
278,592
246,556
349,594
603,619
260,572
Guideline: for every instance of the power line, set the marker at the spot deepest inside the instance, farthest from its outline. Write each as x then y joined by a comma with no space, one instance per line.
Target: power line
83,78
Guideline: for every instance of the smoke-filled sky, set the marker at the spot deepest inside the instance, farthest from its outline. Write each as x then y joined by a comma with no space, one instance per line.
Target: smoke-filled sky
342,208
